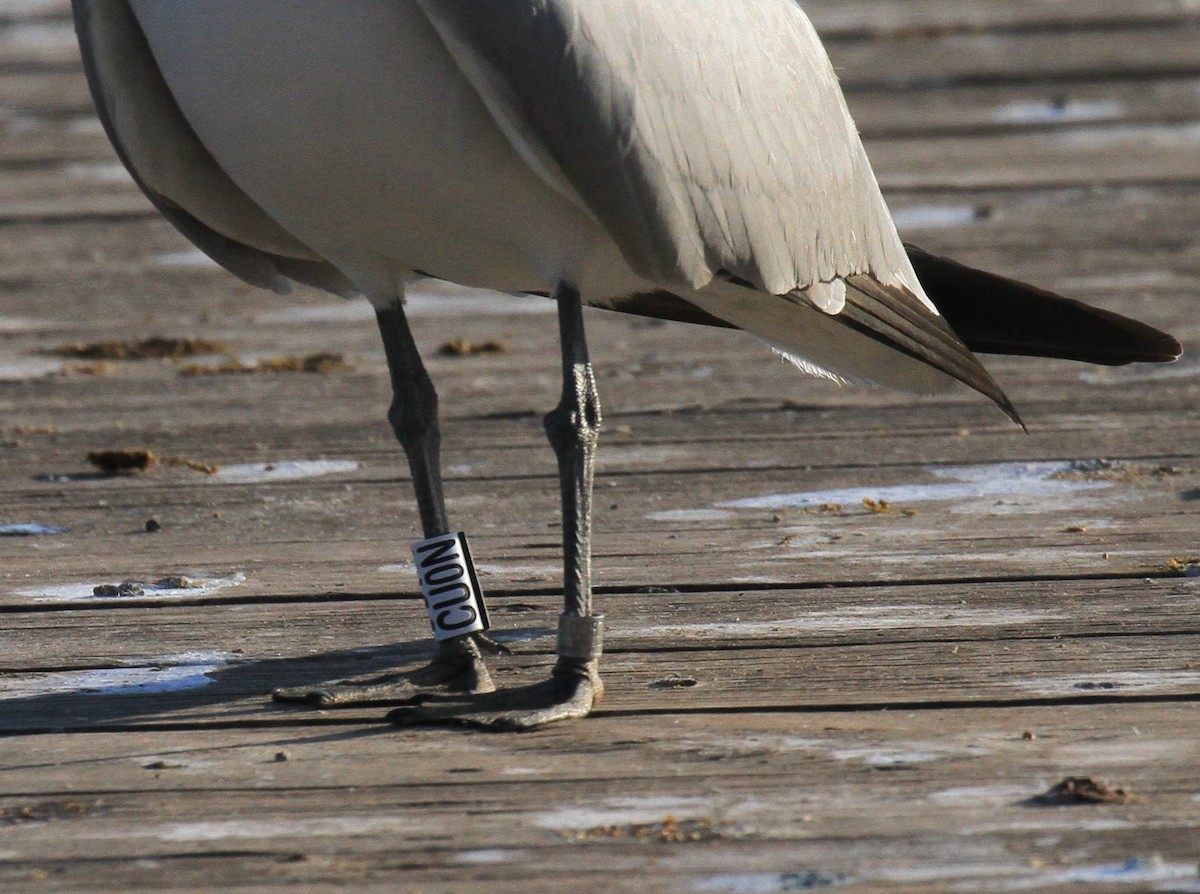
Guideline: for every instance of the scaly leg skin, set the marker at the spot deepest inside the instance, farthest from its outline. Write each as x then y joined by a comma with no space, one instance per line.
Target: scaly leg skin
458,666
574,686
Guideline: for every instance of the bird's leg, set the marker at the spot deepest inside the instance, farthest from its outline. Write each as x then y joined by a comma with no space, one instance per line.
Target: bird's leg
573,428
458,665
574,686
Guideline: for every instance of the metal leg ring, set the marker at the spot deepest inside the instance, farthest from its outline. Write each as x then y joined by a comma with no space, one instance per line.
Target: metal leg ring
580,637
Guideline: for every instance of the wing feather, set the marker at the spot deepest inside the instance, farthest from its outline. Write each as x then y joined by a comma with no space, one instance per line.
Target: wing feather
703,143
170,164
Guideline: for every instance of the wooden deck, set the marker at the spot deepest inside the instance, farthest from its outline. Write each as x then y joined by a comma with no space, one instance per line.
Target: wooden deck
802,692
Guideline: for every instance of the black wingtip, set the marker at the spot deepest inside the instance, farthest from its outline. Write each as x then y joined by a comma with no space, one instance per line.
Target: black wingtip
996,315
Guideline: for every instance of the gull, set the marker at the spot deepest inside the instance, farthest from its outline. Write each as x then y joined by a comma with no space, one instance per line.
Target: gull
671,158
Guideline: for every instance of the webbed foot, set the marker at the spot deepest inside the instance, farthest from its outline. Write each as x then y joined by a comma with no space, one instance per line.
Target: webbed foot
572,691
458,669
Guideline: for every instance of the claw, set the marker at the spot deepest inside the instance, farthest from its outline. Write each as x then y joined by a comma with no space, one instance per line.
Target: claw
491,646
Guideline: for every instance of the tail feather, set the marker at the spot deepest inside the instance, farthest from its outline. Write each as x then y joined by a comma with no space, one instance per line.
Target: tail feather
997,315
885,334
897,318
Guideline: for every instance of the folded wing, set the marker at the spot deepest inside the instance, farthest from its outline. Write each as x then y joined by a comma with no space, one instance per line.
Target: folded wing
715,149
172,167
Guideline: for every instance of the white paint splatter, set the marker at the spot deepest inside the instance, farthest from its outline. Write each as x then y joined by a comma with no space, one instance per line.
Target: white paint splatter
690,515
770,882
274,828
187,258
171,673
30,530
621,811
887,757
855,617
526,635
929,217
21,369
1136,870
1121,681
28,324
283,470
523,569
1048,111
489,856
956,871
967,483
976,795
199,586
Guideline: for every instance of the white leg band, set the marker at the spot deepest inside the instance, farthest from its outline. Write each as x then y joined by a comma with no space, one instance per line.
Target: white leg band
449,585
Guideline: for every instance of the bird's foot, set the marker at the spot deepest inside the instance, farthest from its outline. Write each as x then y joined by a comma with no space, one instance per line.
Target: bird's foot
458,669
572,691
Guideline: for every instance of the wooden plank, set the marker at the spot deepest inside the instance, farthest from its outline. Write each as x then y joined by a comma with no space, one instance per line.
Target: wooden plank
40,43
1144,154
872,797
852,17
33,100
907,18
967,34
23,11
50,117
56,637
202,687
739,636
1079,54
1044,526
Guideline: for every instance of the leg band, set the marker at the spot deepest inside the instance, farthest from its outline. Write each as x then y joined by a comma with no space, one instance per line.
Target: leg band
448,583
579,637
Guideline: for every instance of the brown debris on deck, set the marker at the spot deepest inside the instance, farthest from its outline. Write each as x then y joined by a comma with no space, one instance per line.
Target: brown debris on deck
156,348
668,831
116,462
1084,790
461,347
136,459
804,690
323,363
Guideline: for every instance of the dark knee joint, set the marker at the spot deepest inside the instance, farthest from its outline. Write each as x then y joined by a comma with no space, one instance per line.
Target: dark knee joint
576,420
568,428
414,412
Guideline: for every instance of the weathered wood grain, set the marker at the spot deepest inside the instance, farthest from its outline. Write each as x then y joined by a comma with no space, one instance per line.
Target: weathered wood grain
823,696
879,799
